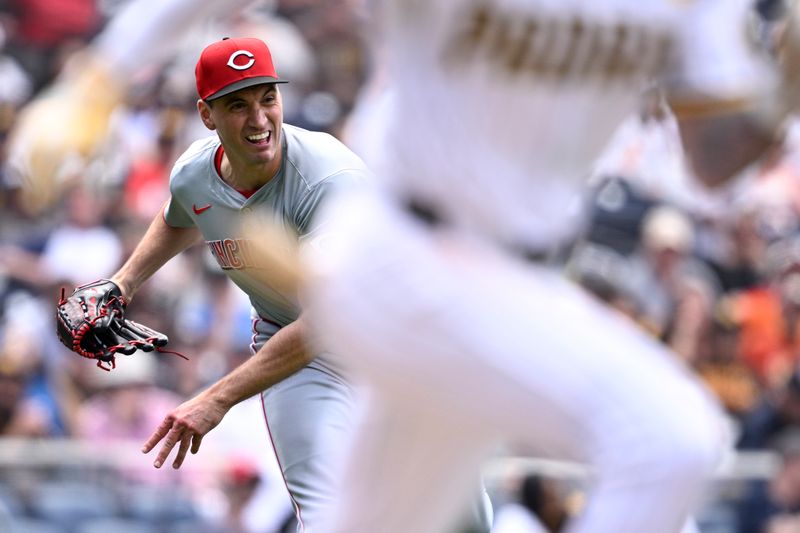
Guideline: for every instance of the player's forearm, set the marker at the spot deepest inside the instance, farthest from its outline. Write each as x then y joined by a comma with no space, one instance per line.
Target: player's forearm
284,354
160,243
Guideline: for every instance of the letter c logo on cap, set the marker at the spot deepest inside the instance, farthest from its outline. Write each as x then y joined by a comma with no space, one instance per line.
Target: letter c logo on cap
232,60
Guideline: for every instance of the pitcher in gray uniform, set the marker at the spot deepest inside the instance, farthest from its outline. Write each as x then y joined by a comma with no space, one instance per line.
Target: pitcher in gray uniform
255,165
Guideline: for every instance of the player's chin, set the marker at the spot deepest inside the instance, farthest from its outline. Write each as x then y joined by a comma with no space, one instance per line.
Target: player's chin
261,152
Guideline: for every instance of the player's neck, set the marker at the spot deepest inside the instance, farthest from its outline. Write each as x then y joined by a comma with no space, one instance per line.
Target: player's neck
248,177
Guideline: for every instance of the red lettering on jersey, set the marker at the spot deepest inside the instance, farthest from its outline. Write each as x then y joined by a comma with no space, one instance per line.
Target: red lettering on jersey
218,251
233,254
232,249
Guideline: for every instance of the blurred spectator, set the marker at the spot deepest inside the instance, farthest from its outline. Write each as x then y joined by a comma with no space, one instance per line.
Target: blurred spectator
769,315
779,409
240,479
27,354
12,389
124,404
765,209
721,367
80,249
15,89
650,273
24,411
146,180
739,266
774,506
333,33
47,30
679,291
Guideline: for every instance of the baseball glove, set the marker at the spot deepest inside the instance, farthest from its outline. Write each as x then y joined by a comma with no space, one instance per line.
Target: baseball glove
91,322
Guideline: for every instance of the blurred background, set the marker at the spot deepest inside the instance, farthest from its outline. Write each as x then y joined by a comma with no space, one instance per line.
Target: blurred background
713,274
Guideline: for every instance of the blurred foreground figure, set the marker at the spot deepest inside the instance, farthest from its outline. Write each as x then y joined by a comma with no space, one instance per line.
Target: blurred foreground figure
435,285
66,124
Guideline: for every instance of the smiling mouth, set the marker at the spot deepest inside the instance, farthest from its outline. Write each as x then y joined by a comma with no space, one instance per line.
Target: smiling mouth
259,138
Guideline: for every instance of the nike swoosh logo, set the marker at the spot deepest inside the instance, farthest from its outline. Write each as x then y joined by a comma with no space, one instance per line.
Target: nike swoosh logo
198,210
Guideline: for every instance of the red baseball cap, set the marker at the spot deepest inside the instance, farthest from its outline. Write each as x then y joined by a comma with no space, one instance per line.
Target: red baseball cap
232,64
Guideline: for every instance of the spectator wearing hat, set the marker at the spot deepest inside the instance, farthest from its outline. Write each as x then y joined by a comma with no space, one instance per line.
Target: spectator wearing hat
675,290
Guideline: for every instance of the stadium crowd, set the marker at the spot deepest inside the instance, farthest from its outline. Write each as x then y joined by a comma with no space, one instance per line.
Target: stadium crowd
713,274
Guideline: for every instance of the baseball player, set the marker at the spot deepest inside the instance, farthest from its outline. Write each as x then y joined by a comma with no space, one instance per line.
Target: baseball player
255,165
433,285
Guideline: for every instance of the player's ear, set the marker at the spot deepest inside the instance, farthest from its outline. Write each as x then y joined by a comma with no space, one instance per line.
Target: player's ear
204,108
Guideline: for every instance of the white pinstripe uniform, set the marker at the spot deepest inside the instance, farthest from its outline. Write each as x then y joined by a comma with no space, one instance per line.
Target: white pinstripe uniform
493,114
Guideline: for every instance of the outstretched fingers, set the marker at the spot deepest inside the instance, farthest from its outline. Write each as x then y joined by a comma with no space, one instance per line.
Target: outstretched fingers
186,440
196,440
184,427
160,432
173,437
171,432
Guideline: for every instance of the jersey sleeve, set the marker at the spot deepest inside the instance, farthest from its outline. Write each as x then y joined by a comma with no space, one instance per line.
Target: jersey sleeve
176,216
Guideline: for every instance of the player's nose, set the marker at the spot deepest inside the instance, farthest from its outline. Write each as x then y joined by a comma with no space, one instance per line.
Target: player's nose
258,116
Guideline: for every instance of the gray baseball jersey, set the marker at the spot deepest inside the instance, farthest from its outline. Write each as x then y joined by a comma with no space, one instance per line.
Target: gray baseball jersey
311,409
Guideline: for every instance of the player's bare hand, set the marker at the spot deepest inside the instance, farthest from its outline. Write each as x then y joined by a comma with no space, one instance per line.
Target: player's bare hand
186,425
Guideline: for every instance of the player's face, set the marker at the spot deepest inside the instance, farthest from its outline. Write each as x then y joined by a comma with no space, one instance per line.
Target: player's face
248,123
